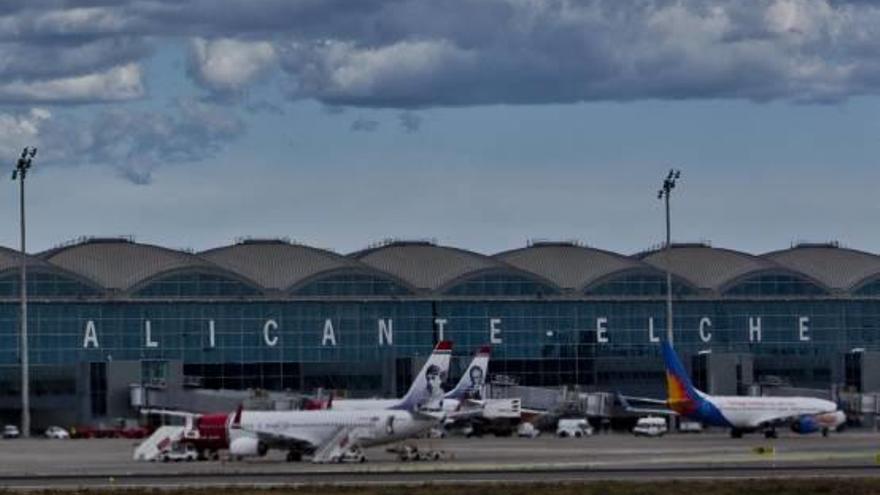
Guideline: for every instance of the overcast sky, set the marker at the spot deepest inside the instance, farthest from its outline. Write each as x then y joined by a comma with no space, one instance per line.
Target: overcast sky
478,123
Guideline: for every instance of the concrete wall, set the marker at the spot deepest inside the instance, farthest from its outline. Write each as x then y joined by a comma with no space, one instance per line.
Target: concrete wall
722,370
871,372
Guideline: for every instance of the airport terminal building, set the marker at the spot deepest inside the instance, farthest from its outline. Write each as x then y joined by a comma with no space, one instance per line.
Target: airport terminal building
109,315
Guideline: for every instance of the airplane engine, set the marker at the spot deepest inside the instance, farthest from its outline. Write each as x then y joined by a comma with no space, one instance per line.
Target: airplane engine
247,447
805,424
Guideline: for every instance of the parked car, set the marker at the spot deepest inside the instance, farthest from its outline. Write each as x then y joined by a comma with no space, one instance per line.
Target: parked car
527,430
690,427
650,427
574,428
353,455
180,452
57,433
11,431
437,433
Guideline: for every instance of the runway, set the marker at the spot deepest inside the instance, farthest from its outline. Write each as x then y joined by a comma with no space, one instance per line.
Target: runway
35,463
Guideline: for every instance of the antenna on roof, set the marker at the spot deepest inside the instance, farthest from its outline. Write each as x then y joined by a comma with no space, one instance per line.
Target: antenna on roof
85,239
814,244
246,239
539,241
399,241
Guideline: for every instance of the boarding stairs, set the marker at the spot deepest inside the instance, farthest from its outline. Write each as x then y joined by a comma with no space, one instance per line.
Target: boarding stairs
502,409
160,441
345,439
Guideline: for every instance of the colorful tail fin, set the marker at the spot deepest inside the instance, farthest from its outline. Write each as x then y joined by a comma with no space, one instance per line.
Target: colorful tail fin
426,388
681,396
474,377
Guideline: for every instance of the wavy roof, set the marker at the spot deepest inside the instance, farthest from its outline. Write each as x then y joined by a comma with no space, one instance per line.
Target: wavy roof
838,268
430,267
10,259
279,265
570,266
120,264
707,267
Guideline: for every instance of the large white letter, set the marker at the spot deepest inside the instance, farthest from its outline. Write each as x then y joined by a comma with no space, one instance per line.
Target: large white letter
270,325
704,335
328,333
148,336
754,329
441,325
651,336
494,331
804,327
91,336
211,334
602,329
386,332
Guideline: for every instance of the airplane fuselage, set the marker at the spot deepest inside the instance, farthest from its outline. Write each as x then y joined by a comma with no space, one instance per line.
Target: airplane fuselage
372,427
750,413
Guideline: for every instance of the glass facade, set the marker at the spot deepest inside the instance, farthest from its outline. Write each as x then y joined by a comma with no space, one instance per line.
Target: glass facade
500,285
351,284
775,285
871,288
41,284
195,285
603,343
638,285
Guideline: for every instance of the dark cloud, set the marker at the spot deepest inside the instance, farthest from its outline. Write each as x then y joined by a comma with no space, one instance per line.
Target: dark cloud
136,142
364,125
499,51
425,53
25,61
409,121
264,106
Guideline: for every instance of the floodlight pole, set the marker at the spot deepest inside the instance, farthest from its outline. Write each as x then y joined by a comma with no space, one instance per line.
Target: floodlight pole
664,193
20,172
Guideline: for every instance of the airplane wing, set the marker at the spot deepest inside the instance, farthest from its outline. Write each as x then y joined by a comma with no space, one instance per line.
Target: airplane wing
647,400
624,401
171,413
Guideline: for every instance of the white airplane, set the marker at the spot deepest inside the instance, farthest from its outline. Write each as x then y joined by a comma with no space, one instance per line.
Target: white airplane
328,434
746,414
466,393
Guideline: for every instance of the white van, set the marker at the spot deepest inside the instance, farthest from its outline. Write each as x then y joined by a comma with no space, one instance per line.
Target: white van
690,427
574,428
650,427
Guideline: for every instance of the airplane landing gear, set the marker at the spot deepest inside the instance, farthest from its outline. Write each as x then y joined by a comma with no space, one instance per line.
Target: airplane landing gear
825,432
293,456
734,433
770,433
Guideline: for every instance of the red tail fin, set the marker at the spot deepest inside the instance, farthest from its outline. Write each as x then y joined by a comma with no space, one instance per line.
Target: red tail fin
236,420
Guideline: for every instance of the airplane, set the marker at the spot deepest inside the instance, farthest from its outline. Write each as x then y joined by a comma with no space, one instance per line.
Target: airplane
465,395
329,435
746,414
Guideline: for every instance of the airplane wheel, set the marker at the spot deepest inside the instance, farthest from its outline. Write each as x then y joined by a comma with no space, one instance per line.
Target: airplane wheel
825,432
294,457
770,434
736,434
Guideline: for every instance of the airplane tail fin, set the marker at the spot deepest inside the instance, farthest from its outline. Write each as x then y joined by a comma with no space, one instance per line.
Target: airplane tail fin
426,388
474,377
681,396
236,420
